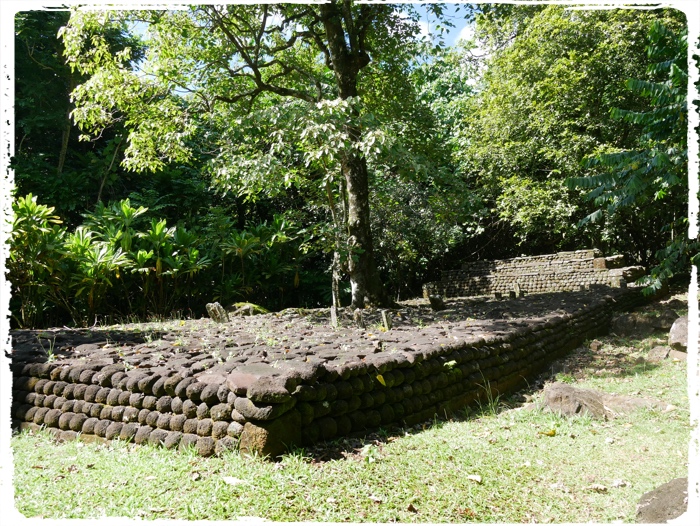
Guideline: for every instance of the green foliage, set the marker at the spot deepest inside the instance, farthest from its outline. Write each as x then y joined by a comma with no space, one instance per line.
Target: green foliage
121,261
34,243
49,160
544,105
650,176
271,99
86,272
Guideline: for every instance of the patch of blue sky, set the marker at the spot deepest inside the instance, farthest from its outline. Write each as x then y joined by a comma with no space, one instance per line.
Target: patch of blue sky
455,13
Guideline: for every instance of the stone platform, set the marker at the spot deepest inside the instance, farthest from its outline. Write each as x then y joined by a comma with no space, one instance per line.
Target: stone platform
267,382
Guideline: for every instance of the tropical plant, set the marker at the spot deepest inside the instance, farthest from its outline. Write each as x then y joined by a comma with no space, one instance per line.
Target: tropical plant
31,266
650,177
543,105
242,73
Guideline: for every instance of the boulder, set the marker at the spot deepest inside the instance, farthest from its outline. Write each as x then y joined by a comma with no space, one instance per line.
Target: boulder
681,356
664,503
665,320
596,345
633,324
436,302
565,399
217,312
358,318
658,353
678,337
568,400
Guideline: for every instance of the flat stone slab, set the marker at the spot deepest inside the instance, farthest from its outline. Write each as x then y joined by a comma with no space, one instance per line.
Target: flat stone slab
295,343
210,384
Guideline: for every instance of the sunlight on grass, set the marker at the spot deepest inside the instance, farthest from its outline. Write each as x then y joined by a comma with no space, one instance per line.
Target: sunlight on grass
498,465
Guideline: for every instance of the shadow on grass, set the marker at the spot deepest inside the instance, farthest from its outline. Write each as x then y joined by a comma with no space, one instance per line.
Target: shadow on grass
362,445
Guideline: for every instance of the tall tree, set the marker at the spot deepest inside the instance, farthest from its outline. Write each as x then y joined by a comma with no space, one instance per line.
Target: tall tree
544,104
49,161
649,177
209,68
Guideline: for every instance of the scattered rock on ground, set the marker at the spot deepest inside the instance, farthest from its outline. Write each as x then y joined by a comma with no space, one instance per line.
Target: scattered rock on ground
678,337
568,400
633,324
665,320
678,355
664,503
436,302
658,353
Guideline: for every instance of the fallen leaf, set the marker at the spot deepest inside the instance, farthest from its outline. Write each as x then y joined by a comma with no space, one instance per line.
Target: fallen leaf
381,380
466,512
598,488
90,466
38,467
233,481
669,408
619,483
375,499
412,508
475,478
609,440
550,433
195,475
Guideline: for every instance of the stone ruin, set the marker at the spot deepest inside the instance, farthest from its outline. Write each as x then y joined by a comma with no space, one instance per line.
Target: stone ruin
238,390
564,271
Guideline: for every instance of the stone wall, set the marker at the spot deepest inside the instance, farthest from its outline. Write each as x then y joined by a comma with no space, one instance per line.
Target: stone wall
534,274
265,408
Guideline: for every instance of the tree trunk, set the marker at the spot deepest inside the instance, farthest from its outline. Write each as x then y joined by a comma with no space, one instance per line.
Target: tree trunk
367,287
65,136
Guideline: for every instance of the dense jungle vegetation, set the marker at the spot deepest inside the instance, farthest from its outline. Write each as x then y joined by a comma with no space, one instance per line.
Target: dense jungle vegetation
309,155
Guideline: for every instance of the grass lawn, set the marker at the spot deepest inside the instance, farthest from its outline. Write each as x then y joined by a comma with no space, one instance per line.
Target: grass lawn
497,464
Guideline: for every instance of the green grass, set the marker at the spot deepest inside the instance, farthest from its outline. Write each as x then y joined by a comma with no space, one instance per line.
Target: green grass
588,471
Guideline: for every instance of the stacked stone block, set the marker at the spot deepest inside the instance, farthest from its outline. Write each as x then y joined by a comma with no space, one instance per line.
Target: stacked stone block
265,408
563,271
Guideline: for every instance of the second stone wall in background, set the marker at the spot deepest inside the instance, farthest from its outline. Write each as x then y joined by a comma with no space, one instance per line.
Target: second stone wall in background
535,274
